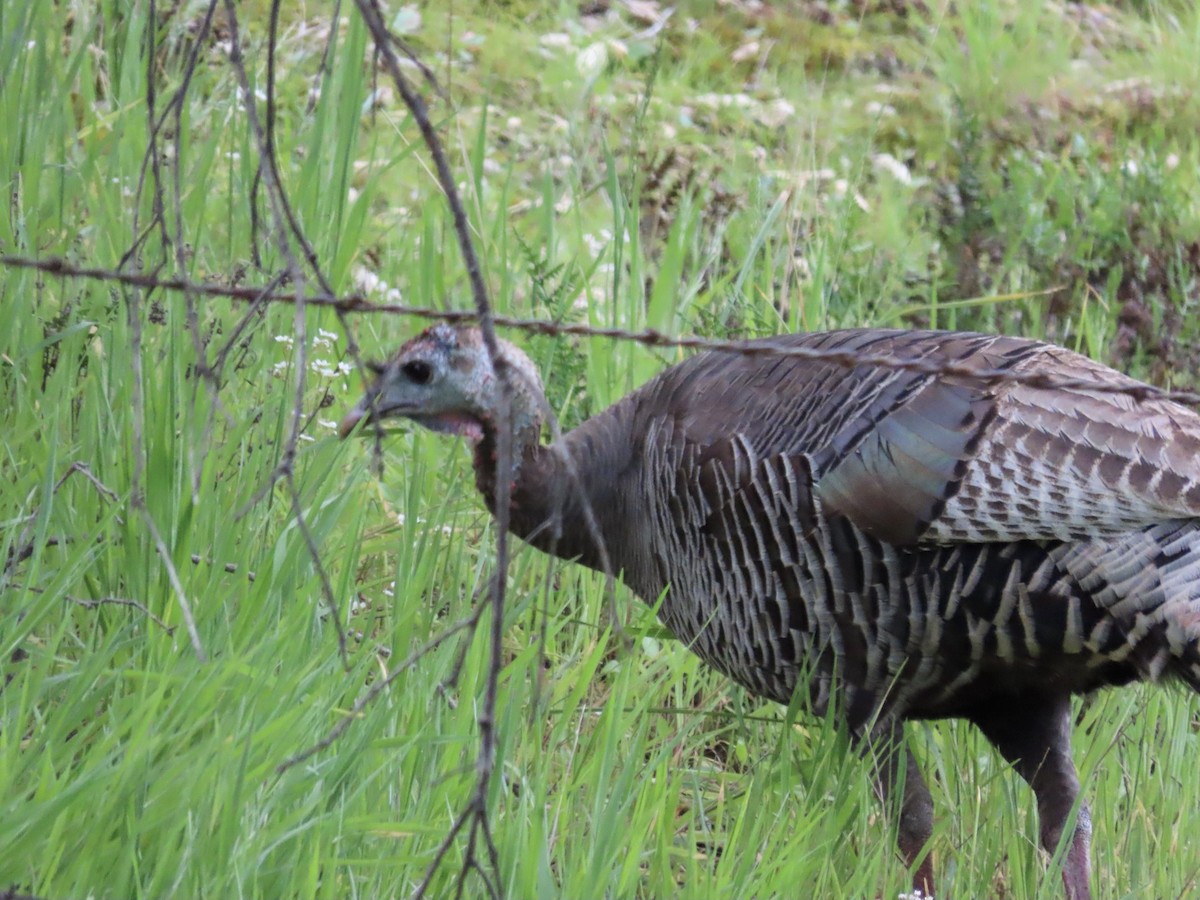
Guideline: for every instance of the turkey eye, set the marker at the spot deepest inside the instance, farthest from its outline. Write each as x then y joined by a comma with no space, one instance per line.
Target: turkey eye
417,372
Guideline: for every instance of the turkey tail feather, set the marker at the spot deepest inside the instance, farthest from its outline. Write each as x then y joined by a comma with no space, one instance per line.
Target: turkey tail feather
1149,581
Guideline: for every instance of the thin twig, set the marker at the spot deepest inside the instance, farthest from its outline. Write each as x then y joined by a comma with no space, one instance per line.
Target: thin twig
284,203
450,681
279,207
324,67
242,326
86,472
151,163
26,544
378,688
122,601
485,762
443,848
164,554
208,376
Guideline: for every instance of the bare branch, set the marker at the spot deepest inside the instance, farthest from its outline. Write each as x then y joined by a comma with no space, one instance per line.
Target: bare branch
122,601
164,553
485,762
25,545
283,225
82,469
379,687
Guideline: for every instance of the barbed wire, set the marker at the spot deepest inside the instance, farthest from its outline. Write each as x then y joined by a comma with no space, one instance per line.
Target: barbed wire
359,303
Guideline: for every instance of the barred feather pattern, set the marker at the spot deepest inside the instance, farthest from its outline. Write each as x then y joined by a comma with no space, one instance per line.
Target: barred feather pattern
766,588
915,544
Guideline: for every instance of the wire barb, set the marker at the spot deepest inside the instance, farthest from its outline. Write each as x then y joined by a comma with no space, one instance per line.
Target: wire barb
359,304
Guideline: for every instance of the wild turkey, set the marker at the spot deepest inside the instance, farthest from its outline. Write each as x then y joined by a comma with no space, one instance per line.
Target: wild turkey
905,545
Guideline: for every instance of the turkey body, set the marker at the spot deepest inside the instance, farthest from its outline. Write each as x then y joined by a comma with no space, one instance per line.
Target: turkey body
892,543
921,545
926,544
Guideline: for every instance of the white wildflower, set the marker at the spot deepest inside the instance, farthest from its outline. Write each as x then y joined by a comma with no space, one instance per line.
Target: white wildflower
555,40
647,12
726,101
596,244
259,94
775,113
407,20
885,162
808,176
591,60
748,50
803,269
367,281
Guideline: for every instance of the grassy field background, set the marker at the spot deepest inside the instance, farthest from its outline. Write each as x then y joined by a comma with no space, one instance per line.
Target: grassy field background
733,168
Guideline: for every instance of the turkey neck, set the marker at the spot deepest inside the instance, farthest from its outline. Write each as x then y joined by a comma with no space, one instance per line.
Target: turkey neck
547,506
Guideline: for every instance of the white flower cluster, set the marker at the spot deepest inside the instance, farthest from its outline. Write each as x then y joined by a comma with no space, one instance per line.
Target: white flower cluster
323,340
369,283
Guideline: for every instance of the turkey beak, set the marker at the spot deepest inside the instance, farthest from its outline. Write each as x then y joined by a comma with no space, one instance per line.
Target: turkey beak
349,421
366,404
370,408
360,412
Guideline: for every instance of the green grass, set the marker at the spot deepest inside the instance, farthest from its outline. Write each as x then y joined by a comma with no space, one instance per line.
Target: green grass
1028,148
